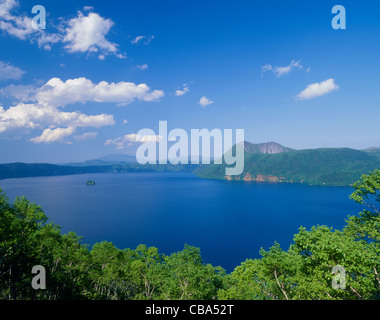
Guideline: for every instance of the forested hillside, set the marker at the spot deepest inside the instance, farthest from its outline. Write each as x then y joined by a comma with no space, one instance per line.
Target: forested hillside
326,166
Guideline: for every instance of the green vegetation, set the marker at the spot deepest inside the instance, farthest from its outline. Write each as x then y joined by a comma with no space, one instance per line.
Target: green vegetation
327,166
90,183
304,271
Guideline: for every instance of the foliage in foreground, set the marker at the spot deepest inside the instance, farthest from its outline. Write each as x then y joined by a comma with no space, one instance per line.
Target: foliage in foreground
103,272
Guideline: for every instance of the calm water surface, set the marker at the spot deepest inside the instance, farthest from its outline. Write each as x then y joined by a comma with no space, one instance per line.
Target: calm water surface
229,221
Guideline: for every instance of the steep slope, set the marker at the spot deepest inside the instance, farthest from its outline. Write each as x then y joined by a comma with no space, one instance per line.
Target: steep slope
266,148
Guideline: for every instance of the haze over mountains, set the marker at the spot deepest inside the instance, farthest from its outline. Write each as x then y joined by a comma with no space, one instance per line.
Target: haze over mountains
268,161
250,148
107,160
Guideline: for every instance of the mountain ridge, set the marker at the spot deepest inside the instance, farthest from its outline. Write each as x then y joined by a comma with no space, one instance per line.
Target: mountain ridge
268,161
320,166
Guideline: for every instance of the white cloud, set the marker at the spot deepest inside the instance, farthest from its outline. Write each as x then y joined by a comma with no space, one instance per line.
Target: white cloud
123,141
205,101
318,89
281,71
26,117
21,27
267,67
142,66
9,72
183,91
86,136
88,8
17,26
143,39
54,135
58,93
87,34
137,39
142,138
42,110
22,93
46,40
80,34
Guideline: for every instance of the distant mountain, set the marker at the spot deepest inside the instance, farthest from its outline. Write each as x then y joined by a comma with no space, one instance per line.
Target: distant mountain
373,150
22,170
118,158
263,162
123,159
266,148
325,166
110,159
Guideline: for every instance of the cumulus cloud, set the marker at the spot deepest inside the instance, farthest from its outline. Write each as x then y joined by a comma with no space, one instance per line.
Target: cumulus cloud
281,71
37,116
318,89
205,102
127,139
60,93
87,34
54,135
21,93
21,26
9,72
17,26
84,33
43,108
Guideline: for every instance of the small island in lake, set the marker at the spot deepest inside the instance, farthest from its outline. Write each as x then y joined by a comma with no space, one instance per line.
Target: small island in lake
90,183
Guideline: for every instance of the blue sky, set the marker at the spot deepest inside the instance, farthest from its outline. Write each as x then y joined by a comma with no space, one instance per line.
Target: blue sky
103,70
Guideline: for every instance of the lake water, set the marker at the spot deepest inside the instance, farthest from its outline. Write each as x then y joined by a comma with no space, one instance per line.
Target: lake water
229,221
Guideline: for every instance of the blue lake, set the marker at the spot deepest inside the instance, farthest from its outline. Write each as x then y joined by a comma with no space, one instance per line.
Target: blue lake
229,221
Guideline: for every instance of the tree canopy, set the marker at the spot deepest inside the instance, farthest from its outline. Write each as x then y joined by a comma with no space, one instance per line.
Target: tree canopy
321,263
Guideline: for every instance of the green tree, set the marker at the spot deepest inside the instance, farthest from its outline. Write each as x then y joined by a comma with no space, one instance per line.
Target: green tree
365,227
110,272
145,269
18,245
185,276
271,277
321,249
